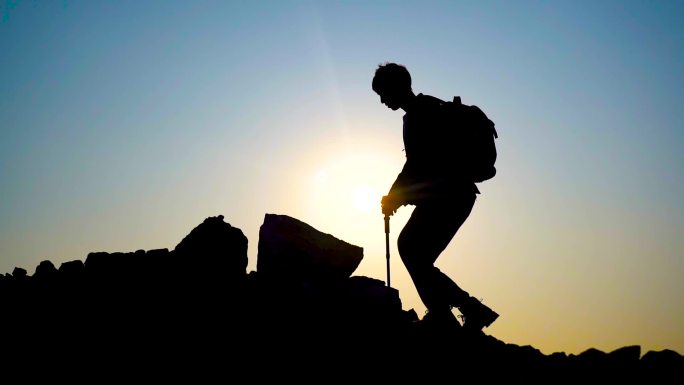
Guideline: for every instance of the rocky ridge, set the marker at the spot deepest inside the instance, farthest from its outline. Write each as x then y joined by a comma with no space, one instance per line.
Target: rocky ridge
301,311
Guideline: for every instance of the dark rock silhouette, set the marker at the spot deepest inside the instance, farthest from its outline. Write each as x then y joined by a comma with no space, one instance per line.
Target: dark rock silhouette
217,244
71,268
45,270
160,313
19,273
291,248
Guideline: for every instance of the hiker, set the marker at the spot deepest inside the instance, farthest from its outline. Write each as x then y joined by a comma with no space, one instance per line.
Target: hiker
443,199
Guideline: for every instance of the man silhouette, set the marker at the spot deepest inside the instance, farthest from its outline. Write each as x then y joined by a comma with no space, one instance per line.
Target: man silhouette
442,199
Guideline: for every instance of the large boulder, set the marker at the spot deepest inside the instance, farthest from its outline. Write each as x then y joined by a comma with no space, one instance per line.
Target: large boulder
292,249
72,268
45,270
19,273
215,248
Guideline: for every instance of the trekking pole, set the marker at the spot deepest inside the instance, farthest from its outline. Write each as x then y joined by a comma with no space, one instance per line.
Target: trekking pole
387,255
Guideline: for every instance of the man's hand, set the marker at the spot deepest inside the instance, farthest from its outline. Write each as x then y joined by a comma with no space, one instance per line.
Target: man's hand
389,205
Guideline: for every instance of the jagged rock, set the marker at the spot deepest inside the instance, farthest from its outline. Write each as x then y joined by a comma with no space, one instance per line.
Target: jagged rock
665,356
45,270
156,304
529,353
557,361
157,254
215,247
665,365
71,268
373,294
368,302
18,272
109,270
97,262
558,356
626,355
593,355
290,248
72,276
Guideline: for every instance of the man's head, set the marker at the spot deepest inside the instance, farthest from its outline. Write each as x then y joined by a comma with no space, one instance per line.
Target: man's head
393,83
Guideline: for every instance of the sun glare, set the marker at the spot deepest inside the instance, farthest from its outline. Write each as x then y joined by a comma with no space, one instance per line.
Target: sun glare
345,189
365,198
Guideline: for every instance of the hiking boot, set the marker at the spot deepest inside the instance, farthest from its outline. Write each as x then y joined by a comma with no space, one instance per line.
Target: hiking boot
476,315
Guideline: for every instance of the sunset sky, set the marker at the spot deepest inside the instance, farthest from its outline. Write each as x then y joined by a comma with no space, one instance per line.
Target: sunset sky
123,124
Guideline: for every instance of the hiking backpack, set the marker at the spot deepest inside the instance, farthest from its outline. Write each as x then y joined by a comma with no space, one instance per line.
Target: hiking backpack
471,134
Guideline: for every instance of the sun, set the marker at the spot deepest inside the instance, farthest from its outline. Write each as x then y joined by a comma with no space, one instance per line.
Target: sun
365,198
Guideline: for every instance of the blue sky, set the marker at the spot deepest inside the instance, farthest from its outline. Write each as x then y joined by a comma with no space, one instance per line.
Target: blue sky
125,124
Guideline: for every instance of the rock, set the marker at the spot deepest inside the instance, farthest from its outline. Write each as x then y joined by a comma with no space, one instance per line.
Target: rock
97,262
157,254
18,272
592,355
168,305
45,270
626,355
71,268
216,248
665,366
369,303
72,276
292,249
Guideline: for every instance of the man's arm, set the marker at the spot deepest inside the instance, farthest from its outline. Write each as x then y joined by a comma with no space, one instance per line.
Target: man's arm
396,197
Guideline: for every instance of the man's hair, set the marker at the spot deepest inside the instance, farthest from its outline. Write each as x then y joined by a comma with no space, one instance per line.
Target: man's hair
391,76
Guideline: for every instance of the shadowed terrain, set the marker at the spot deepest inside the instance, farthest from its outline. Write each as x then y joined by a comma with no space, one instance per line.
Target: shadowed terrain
302,315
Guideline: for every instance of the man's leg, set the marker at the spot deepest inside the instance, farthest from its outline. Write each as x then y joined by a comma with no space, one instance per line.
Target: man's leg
426,234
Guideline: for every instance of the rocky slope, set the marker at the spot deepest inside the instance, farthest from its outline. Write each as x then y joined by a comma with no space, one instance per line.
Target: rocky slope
301,316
